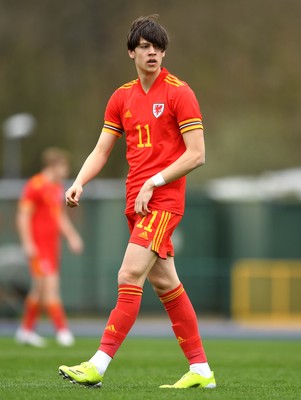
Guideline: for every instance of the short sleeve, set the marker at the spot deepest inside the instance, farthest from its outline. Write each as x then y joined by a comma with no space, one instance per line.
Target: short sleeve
112,123
187,109
30,194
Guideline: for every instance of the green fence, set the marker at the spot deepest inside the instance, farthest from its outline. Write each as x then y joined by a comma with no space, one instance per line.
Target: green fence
212,236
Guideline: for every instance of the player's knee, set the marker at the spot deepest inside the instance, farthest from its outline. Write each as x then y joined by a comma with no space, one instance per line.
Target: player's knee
163,284
127,277
159,284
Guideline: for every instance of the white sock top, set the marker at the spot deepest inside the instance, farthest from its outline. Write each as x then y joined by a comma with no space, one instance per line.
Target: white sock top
202,369
101,361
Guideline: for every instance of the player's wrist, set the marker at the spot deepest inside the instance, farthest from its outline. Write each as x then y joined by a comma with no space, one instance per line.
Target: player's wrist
77,183
158,180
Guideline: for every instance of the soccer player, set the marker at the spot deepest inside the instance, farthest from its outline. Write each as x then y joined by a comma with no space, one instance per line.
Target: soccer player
41,219
160,118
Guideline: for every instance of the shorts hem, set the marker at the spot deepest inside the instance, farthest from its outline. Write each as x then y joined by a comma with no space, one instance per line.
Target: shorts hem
145,244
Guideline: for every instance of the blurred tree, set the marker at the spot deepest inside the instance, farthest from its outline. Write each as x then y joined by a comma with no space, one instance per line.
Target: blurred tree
60,61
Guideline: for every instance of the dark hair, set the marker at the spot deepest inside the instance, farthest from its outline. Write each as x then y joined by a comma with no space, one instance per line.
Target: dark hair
149,29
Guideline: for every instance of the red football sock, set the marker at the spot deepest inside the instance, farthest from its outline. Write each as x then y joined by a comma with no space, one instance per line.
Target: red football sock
184,324
57,314
31,313
121,318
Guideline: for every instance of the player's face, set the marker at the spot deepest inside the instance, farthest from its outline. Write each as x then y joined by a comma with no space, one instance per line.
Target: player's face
61,170
147,57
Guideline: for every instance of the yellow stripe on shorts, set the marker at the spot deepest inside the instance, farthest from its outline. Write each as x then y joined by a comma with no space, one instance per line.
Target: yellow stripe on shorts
165,217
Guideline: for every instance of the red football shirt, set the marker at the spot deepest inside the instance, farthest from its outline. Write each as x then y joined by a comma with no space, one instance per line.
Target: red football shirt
153,123
45,199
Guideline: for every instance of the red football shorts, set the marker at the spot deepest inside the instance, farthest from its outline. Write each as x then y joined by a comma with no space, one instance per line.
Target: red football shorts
156,229
43,266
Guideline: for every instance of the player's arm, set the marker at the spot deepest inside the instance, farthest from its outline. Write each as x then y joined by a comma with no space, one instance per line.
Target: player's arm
70,233
23,222
193,157
91,167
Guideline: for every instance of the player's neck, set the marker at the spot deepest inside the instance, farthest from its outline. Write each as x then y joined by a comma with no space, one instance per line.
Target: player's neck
147,79
50,175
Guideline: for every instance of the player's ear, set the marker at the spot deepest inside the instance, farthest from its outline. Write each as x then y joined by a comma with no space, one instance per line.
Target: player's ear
131,54
163,53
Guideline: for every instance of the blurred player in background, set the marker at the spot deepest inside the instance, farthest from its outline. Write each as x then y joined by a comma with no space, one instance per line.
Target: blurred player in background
41,219
160,117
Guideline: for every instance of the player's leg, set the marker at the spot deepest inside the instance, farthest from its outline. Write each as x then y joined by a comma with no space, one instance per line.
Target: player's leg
53,305
135,267
33,304
131,277
165,281
32,308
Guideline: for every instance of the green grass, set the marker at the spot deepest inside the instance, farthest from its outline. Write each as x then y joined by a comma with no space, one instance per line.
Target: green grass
244,369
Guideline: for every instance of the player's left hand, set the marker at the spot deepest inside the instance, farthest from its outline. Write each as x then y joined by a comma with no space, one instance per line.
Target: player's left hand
143,198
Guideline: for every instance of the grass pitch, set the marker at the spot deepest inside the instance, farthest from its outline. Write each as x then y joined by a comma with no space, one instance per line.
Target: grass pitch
244,369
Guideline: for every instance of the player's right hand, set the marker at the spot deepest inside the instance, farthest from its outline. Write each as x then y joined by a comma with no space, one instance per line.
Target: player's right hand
72,195
30,249
143,198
